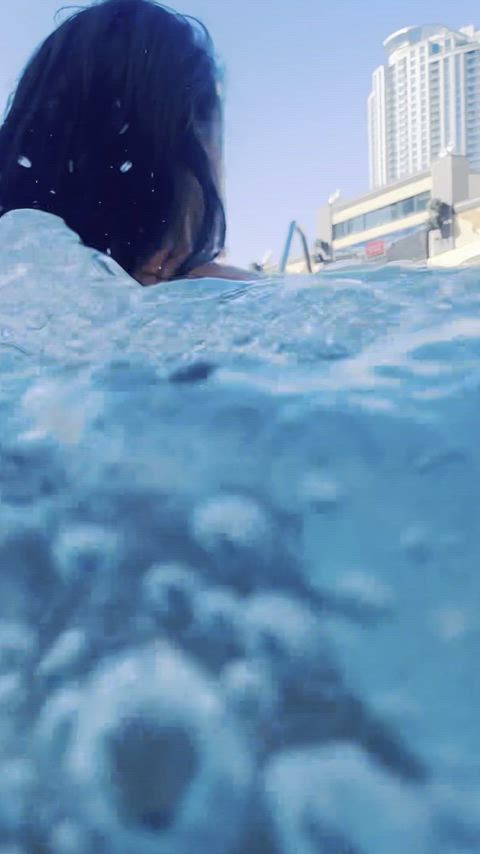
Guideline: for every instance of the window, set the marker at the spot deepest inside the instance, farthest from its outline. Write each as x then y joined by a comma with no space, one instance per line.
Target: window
382,216
421,201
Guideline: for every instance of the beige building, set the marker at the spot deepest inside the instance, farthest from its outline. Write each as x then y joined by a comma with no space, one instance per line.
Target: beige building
432,218
421,219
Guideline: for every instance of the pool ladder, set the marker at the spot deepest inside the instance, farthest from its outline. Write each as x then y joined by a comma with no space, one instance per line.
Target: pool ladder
294,228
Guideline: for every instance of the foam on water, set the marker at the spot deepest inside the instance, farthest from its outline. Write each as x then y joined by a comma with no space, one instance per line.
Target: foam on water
238,546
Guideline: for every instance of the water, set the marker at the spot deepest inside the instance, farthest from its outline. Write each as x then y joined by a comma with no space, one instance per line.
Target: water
239,539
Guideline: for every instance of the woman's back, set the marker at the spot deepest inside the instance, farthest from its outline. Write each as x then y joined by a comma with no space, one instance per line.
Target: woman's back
115,127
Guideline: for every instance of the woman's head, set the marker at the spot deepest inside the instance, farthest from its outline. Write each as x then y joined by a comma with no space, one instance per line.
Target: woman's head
115,127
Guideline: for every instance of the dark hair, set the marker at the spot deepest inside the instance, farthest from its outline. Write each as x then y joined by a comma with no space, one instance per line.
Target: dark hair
108,129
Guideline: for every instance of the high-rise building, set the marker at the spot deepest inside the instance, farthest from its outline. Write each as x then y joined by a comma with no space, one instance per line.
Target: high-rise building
424,100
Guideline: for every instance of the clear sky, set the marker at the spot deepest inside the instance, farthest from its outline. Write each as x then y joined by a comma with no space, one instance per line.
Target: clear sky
298,76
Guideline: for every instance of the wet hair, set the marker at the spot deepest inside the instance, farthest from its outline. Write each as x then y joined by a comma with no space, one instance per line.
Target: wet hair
109,129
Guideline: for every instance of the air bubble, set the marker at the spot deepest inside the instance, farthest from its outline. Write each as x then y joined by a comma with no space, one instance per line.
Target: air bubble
249,690
17,646
231,519
85,548
318,800
64,654
321,491
143,738
170,592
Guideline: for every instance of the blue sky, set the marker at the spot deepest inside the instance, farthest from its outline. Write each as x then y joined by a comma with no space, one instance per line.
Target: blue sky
298,76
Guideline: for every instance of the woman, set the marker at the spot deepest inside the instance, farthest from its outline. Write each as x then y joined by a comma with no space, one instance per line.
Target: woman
116,128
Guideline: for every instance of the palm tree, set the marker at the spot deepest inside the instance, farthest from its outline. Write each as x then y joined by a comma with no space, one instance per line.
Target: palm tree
439,214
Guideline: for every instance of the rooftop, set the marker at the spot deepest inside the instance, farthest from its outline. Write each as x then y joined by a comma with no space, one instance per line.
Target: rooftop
412,35
340,206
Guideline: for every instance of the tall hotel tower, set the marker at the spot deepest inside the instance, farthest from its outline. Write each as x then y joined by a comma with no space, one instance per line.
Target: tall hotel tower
424,100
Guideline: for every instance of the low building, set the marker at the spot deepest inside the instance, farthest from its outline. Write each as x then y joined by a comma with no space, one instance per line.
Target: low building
424,218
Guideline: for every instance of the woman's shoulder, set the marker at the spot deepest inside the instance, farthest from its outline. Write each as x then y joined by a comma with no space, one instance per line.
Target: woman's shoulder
215,270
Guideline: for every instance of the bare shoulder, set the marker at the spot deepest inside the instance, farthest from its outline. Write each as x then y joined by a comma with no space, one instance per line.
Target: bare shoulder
222,271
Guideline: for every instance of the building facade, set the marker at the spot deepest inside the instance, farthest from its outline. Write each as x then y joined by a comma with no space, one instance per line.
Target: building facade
430,218
425,100
397,222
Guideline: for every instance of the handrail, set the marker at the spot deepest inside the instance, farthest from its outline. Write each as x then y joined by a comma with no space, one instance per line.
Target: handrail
293,229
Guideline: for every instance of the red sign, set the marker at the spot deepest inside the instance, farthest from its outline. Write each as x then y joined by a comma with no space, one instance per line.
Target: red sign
375,248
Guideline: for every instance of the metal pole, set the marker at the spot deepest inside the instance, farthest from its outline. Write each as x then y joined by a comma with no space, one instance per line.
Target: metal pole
294,227
288,245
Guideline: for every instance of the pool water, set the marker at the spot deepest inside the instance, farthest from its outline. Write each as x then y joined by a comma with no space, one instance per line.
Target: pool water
239,544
